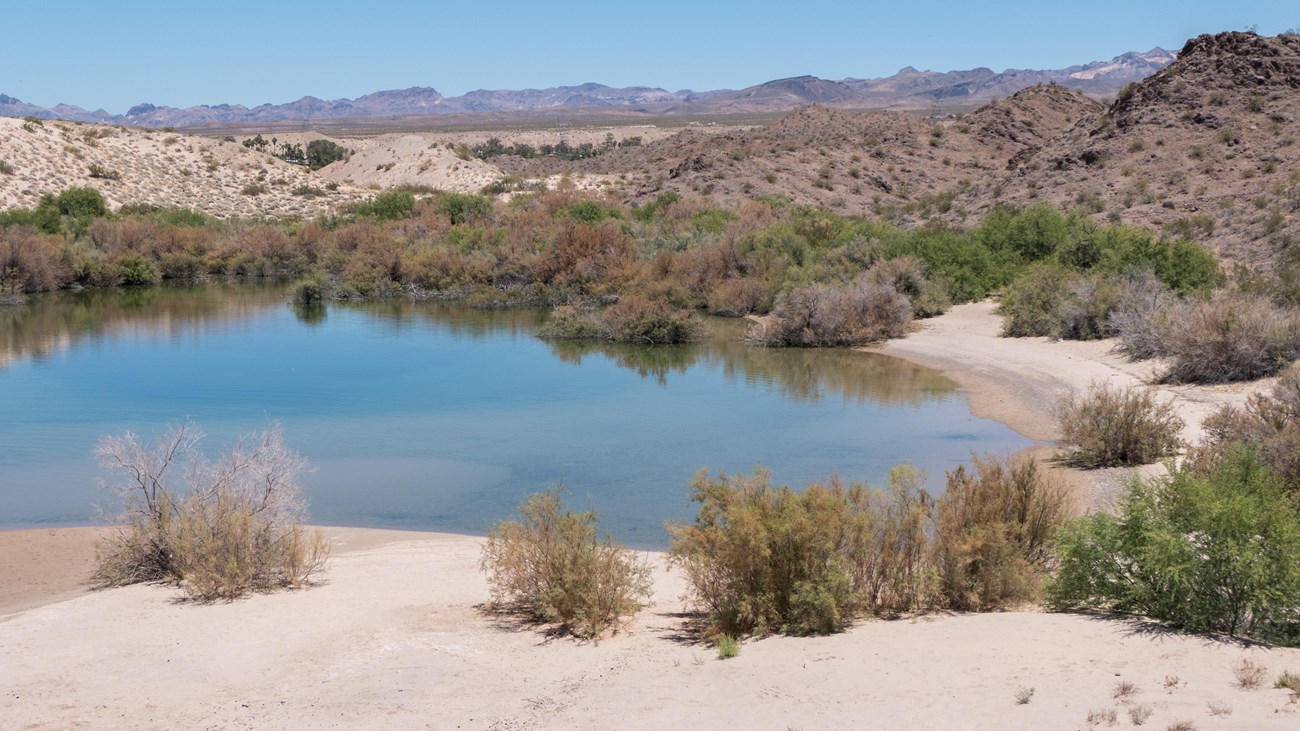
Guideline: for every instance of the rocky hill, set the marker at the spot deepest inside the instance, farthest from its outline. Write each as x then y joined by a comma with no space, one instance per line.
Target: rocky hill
1209,147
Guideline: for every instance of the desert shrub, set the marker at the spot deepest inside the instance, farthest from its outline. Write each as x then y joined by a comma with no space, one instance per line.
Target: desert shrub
589,212
31,262
463,208
824,315
1139,315
1216,551
218,528
1110,426
136,269
761,559
1270,423
552,565
632,319
739,297
1233,336
390,206
993,529
908,276
309,291
1031,305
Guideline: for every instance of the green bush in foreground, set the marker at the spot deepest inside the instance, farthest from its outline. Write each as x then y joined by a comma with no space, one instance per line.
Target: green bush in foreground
1109,426
1216,551
553,566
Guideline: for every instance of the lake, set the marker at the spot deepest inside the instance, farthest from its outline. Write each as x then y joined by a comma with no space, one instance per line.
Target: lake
433,416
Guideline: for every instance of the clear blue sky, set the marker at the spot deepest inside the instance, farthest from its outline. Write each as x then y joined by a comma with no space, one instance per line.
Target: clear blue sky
117,54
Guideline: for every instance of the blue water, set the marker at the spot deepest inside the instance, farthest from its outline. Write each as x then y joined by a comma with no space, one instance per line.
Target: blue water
432,416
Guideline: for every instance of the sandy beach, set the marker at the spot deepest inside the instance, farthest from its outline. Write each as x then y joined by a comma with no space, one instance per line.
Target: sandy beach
395,636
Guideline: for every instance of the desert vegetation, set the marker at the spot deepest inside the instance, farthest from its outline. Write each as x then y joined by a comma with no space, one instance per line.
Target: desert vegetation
822,279
219,528
762,559
553,566
1109,426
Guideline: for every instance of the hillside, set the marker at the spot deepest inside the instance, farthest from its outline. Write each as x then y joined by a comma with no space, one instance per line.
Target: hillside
131,166
1209,147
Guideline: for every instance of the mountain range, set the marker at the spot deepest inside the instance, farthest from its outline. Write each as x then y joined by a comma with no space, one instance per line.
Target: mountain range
907,89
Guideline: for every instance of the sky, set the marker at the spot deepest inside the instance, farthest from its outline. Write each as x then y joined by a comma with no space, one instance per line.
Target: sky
113,55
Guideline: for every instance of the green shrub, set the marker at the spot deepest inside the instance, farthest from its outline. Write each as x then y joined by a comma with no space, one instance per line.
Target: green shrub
136,269
1110,426
632,319
552,566
462,208
390,206
993,528
589,212
761,559
728,647
1217,551
1031,305
323,152
219,529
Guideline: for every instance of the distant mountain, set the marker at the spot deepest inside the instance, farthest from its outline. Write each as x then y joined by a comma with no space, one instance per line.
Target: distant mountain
909,88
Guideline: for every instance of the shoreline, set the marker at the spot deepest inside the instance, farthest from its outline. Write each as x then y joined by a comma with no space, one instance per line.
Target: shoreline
1015,381
394,634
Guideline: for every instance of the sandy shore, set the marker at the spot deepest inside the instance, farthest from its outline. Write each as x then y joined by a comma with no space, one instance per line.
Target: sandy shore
395,638
1018,381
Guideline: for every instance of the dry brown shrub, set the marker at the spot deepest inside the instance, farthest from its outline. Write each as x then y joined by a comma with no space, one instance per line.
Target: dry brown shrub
1249,674
218,528
584,255
1234,336
1269,422
1110,426
31,262
553,566
993,526
824,315
739,297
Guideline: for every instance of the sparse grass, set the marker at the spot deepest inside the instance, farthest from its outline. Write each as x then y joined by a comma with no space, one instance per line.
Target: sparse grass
1218,708
1103,716
1172,683
1289,681
728,646
1248,674
1110,426
1124,690
1139,714
6,168
1181,726
1024,695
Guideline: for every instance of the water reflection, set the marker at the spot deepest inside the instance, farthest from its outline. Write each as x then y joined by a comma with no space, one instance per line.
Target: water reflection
46,324
51,323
